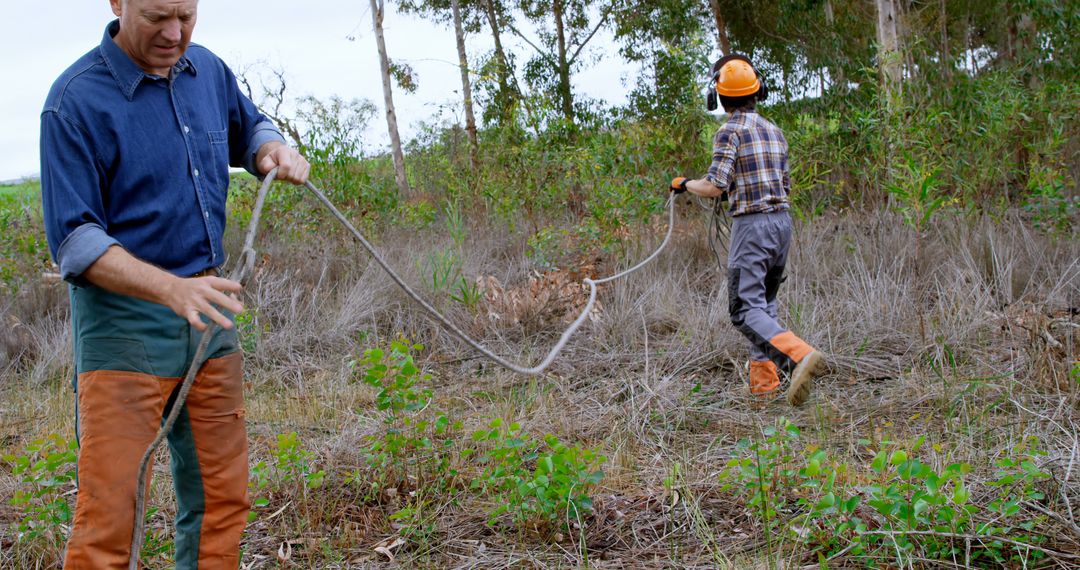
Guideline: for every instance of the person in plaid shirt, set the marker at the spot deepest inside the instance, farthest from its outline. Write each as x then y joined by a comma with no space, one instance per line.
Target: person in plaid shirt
750,165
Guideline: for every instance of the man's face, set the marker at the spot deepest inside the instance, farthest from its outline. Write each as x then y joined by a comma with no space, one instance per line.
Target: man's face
155,33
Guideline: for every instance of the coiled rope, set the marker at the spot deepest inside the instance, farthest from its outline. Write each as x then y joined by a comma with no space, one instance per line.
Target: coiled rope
243,270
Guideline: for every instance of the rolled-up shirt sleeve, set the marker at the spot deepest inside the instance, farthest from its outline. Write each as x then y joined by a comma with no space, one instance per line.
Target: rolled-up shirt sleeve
263,133
725,149
71,196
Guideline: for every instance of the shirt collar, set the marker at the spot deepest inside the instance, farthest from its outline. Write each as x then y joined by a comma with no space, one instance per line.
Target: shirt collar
127,74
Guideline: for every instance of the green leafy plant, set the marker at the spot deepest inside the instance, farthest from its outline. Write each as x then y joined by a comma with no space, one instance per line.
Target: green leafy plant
416,522
46,473
416,440
159,543
763,469
901,508
533,483
291,470
250,329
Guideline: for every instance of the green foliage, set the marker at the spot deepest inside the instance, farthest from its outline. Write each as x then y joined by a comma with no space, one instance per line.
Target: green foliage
544,248
158,542
445,266
394,375
901,507
764,467
533,483
290,464
291,470
24,252
1048,200
917,194
250,329
416,522
417,439
405,76
46,473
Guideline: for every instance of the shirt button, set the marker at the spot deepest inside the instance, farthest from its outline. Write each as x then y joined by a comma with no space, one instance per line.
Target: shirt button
196,172
186,129
206,215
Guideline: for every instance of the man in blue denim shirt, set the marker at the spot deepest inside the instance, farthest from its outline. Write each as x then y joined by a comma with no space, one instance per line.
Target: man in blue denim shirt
136,141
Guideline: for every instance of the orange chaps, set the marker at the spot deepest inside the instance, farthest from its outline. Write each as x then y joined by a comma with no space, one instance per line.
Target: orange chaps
120,406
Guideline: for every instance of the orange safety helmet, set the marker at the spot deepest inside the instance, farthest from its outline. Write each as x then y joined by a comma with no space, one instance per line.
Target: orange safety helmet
734,76
737,78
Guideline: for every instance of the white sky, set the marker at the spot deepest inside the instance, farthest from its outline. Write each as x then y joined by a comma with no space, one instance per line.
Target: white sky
309,40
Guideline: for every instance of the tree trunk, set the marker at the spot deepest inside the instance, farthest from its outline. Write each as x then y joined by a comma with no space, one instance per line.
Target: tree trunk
945,55
973,66
1027,47
836,72
504,99
564,65
466,88
721,28
388,97
889,58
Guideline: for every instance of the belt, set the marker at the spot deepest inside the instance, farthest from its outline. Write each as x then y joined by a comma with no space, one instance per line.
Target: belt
211,272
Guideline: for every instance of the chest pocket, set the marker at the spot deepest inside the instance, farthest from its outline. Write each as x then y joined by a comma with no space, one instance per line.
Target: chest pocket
219,156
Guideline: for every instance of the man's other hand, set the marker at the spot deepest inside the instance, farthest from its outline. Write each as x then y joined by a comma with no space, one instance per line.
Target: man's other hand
193,296
291,165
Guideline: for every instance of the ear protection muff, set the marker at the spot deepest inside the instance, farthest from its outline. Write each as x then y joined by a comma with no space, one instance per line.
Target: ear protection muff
712,101
712,98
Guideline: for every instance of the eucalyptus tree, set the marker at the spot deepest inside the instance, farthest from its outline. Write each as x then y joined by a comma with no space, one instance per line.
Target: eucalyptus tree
463,17
564,28
722,40
499,18
668,39
377,13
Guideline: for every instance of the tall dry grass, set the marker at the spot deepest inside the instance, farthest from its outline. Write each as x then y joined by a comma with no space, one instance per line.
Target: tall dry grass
656,381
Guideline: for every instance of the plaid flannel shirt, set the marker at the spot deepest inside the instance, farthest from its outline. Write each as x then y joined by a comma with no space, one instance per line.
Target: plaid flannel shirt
750,162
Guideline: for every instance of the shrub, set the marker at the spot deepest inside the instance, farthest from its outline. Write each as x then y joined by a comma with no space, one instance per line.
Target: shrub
46,473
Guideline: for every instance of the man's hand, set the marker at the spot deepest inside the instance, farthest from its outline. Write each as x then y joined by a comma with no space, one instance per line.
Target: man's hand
700,187
120,272
291,165
196,296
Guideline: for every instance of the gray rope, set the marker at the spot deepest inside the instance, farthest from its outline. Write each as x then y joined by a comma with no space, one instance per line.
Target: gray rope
240,274
720,234
592,283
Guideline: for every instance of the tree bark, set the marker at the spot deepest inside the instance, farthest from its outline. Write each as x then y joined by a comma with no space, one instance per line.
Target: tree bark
565,93
721,28
504,99
836,71
889,58
945,55
466,88
388,98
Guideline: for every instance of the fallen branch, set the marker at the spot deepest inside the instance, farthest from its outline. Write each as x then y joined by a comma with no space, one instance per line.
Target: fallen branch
1072,526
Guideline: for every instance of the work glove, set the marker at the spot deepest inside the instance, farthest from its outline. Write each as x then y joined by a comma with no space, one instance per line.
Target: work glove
678,185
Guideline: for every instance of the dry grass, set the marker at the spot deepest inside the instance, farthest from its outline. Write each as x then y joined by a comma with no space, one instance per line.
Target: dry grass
997,297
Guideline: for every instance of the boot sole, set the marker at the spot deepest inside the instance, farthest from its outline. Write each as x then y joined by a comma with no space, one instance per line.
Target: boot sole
803,376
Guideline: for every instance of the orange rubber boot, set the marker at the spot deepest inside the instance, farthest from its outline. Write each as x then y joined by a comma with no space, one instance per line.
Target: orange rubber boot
809,363
763,377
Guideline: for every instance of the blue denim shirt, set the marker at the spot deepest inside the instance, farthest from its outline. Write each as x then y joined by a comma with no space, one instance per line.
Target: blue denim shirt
142,161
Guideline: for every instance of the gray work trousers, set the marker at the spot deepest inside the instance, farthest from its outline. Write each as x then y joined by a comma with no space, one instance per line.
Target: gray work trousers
756,259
